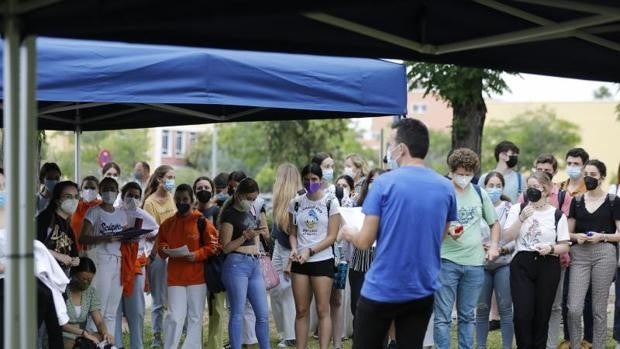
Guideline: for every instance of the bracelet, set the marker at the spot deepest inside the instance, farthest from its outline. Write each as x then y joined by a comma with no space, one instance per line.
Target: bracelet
552,249
311,252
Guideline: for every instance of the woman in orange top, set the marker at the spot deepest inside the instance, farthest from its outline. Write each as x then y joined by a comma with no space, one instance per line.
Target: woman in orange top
186,283
90,191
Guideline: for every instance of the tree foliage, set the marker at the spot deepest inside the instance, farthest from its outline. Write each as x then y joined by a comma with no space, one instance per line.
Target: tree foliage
126,147
463,89
257,148
602,93
534,132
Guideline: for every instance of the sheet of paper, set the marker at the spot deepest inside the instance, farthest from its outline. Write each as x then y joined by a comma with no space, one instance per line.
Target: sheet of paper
352,216
178,252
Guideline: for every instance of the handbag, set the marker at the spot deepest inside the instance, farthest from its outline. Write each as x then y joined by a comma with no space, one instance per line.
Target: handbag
213,265
270,275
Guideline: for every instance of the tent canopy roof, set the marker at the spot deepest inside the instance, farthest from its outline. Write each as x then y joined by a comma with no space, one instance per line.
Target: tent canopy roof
571,38
107,85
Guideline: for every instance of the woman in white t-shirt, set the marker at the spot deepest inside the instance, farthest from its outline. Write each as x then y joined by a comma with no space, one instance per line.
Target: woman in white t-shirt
541,233
315,222
100,230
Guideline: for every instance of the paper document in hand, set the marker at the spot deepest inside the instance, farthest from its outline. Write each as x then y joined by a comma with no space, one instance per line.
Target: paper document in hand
178,252
352,216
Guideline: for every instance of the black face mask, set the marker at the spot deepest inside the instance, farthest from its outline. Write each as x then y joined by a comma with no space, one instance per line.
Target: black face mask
512,161
231,191
203,196
183,208
591,183
533,194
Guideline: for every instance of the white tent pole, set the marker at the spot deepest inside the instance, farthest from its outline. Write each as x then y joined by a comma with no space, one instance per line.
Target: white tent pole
78,133
12,292
27,145
214,152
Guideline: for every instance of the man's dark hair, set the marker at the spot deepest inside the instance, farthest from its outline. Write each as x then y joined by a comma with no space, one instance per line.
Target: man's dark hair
414,134
505,146
48,167
221,180
578,153
320,157
145,165
236,176
547,159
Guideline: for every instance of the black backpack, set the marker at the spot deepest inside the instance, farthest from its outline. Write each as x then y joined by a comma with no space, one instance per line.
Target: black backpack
213,265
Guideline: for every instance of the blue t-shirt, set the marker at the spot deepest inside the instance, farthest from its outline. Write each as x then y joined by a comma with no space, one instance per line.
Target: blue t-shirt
414,204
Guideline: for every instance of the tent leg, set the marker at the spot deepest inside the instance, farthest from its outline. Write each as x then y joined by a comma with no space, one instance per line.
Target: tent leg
20,144
27,150
12,314
76,153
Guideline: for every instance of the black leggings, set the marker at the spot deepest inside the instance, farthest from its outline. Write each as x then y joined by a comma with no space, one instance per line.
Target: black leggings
534,280
373,320
46,313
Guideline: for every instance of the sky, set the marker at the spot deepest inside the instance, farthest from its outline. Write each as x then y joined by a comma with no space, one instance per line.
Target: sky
537,88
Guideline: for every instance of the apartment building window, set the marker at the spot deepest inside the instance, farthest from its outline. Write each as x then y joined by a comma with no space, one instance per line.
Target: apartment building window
419,108
165,142
180,144
193,137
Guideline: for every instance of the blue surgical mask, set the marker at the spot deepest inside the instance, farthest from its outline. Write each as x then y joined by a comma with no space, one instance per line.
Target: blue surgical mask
169,184
2,199
391,162
50,184
573,172
328,174
494,194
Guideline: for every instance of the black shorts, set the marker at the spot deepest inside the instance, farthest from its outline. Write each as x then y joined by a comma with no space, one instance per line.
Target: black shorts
320,268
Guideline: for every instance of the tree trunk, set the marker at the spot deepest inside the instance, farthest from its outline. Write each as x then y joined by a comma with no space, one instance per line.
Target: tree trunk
467,125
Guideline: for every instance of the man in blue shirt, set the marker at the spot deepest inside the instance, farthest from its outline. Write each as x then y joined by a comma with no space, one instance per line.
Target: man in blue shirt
408,212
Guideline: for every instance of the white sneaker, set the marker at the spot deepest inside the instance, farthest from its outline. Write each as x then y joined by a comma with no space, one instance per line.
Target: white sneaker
282,344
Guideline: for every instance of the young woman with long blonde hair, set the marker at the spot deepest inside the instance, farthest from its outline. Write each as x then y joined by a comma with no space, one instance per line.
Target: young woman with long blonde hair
288,183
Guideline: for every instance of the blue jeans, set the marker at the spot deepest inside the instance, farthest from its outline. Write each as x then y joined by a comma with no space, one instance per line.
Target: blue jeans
617,307
498,280
158,282
133,307
243,280
461,283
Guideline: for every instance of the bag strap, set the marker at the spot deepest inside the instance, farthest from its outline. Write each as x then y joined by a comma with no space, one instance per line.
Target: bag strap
201,224
479,192
561,198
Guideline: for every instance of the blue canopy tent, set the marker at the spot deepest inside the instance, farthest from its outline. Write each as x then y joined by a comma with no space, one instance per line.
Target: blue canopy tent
92,85
82,85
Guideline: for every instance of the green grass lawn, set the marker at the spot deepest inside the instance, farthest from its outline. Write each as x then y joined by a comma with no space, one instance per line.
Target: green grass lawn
494,341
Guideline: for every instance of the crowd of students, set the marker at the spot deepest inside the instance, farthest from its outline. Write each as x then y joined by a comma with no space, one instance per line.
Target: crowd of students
522,249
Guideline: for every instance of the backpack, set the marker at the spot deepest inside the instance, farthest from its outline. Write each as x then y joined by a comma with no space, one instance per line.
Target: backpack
579,200
213,265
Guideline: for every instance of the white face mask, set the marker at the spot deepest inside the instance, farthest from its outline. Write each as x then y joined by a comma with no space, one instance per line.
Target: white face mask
89,195
245,204
131,204
109,197
69,206
462,181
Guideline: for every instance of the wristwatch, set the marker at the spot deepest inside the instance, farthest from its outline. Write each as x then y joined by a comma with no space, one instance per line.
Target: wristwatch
552,249
311,252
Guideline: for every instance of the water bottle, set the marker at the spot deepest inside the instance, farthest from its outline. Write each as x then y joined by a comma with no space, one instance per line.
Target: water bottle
340,278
